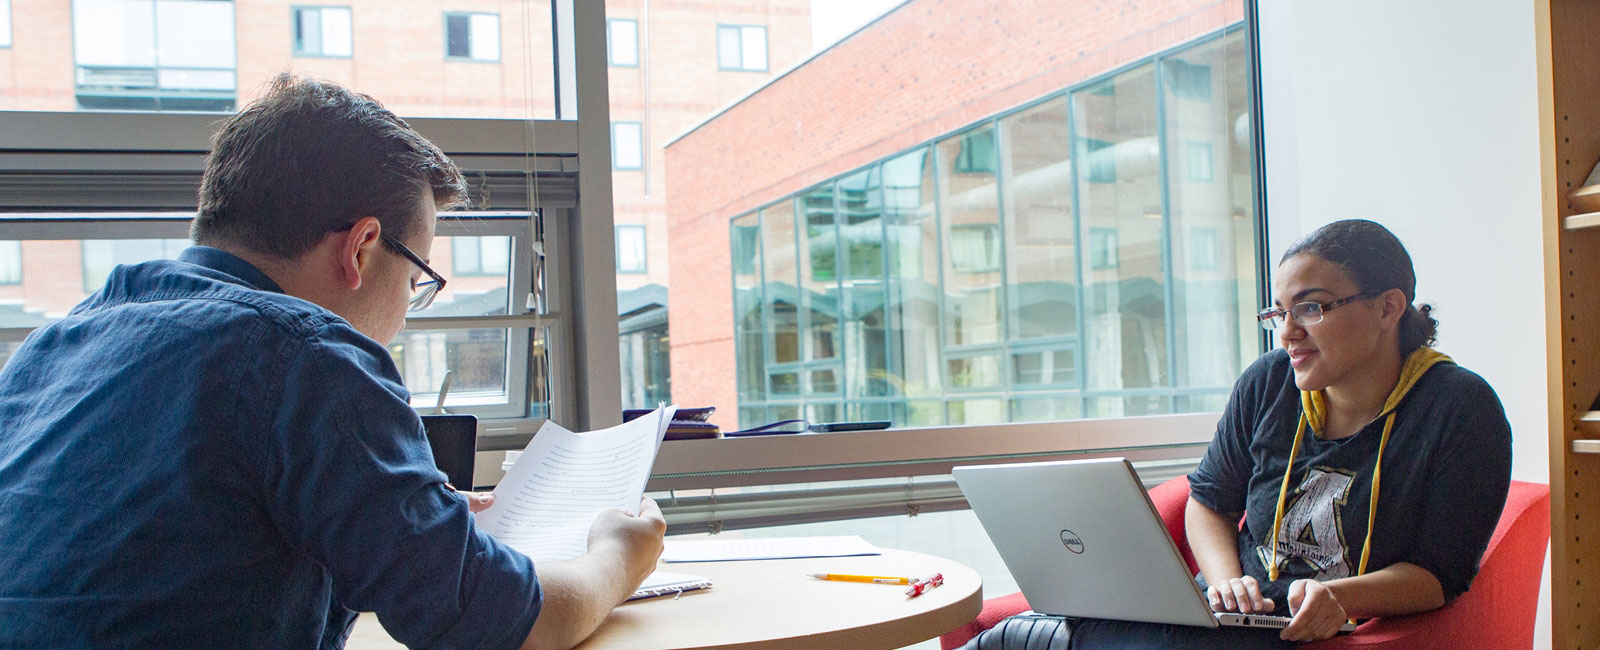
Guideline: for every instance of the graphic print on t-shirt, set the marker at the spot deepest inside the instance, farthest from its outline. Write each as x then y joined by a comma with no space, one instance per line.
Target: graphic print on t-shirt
1311,532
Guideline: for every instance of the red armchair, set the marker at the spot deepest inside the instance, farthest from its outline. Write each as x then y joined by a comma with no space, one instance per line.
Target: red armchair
1497,612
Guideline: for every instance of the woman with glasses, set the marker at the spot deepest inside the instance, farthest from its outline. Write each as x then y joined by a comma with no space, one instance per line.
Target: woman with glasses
1356,472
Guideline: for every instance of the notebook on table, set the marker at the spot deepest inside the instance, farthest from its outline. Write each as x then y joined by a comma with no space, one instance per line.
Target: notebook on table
1083,539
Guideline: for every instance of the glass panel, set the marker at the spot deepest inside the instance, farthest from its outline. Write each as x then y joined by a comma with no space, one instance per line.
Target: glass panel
647,367
977,411
100,256
623,40
10,262
480,286
782,278
866,340
336,35
626,145
824,381
1041,254
630,249
5,40
912,256
975,371
819,247
1045,367
748,324
485,37
1040,409
1213,245
922,413
786,383
753,48
476,362
728,41
208,55
1120,199
818,413
969,205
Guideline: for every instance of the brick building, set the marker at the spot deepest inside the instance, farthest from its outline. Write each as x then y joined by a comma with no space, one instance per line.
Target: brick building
1159,98
672,63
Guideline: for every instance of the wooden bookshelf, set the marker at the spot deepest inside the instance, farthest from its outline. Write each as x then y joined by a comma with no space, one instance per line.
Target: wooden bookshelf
1569,132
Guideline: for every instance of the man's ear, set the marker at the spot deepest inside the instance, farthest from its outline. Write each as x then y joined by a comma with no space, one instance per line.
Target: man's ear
358,248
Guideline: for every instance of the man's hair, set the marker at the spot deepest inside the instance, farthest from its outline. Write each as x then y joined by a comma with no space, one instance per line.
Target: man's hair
309,158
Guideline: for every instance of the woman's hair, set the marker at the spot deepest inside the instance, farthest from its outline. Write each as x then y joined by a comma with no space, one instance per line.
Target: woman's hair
1377,262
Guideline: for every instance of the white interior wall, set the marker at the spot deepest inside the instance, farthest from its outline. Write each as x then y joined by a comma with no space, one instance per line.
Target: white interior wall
1422,115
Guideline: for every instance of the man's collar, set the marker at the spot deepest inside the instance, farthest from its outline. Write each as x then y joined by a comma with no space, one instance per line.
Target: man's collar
220,260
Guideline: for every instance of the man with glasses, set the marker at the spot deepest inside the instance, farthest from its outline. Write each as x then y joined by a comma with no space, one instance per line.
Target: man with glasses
218,451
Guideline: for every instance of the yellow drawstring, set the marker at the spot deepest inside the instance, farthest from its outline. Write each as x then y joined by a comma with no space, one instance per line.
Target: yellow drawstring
1313,411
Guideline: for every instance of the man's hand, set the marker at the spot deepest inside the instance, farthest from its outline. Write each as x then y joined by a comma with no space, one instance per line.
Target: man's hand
636,540
1242,595
476,501
1317,612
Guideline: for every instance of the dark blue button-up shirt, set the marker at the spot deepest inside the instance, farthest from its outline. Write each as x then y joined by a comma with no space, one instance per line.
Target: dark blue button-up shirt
193,459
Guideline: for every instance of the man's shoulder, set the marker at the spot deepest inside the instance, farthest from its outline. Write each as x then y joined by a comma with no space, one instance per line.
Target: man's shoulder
204,295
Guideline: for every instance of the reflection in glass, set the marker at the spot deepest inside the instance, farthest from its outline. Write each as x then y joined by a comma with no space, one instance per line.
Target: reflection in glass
481,274
975,372
1120,206
863,292
912,254
1212,229
748,321
969,204
1041,254
782,280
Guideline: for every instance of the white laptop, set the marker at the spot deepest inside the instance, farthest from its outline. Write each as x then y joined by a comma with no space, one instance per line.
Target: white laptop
1082,539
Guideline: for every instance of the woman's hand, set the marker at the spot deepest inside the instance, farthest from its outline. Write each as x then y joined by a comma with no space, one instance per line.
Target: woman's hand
1316,611
1242,595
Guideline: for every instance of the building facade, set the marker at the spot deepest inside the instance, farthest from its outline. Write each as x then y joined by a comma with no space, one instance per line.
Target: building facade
1056,223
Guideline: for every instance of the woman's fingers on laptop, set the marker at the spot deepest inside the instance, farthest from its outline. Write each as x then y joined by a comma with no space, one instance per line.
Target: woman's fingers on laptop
1241,595
1317,613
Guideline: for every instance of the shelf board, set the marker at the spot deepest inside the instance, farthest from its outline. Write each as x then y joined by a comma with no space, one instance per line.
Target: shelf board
1581,221
1586,446
1589,423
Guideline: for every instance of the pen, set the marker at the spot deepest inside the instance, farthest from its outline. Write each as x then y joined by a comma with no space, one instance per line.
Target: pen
882,580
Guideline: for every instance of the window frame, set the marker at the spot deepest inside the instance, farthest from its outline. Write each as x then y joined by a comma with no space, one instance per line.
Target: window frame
444,41
295,49
740,28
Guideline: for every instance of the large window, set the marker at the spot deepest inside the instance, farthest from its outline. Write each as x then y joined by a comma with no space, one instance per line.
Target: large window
175,55
1087,255
742,47
322,31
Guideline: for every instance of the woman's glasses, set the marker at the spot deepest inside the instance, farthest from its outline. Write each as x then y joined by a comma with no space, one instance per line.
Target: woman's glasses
422,292
1305,313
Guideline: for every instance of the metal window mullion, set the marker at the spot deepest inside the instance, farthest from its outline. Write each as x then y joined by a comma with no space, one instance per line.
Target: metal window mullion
1079,229
1168,263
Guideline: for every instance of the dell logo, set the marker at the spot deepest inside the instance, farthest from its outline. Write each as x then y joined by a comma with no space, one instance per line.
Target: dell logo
1071,540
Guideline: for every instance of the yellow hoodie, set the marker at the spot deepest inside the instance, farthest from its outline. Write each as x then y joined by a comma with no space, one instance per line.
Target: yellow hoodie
1314,412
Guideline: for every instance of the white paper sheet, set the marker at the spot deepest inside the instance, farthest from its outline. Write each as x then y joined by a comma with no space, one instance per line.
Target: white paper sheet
549,499
776,548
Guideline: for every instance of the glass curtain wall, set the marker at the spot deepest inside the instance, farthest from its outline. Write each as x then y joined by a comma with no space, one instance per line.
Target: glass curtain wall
1092,254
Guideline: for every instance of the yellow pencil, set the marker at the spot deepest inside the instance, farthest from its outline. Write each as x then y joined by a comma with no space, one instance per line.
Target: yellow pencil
882,580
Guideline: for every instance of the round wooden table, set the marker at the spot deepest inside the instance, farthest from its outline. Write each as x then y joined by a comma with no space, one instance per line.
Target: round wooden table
772,605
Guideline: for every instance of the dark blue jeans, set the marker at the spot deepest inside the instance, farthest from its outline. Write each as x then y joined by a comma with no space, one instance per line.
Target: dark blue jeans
1052,633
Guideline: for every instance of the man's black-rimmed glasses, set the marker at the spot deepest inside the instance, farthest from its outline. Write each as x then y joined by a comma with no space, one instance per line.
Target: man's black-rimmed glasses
422,292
